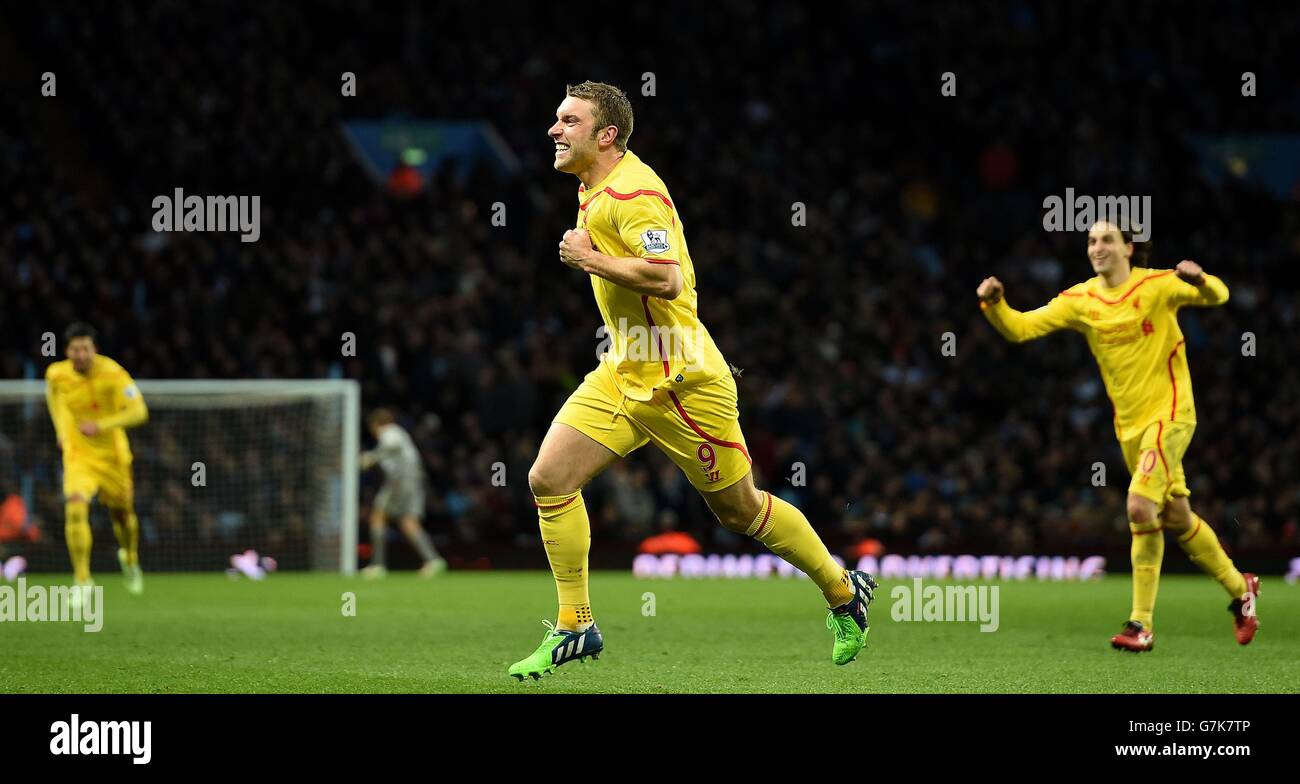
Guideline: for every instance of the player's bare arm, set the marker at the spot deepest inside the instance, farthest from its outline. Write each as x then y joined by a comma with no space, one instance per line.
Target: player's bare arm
643,277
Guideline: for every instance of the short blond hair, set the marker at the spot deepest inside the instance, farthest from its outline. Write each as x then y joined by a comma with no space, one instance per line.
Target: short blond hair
380,417
610,107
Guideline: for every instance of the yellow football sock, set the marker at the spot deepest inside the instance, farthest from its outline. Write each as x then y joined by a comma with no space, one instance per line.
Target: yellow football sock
566,534
126,527
1202,546
788,533
76,530
1147,552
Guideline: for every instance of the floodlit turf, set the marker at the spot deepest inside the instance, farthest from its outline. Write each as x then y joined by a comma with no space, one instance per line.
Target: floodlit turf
459,633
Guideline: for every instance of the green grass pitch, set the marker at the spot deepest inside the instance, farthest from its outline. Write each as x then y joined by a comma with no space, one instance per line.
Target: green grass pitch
459,632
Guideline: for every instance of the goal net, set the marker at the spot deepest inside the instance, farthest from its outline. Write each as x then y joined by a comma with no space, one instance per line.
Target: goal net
221,467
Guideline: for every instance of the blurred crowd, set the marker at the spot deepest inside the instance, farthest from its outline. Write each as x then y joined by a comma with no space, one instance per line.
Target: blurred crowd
476,333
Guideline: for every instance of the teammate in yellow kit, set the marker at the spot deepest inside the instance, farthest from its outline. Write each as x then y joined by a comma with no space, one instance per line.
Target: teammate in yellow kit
92,401
1128,314
662,380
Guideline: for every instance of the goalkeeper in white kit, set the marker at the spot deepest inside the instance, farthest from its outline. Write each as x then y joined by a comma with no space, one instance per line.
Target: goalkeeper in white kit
401,496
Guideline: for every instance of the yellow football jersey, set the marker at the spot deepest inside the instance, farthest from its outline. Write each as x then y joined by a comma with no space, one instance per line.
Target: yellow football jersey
652,342
1133,332
105,395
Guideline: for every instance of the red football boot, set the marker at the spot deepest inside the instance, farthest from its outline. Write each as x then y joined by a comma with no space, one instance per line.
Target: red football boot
1134,638
1244,621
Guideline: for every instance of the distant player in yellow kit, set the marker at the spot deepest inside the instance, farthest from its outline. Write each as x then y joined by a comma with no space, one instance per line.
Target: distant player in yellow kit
92,401
1129,316
662,380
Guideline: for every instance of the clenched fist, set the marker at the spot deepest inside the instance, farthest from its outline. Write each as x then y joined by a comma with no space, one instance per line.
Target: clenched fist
990,291
575,247
1191,272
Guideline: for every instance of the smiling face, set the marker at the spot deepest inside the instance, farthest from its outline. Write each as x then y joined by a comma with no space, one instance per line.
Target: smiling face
577,140
1107,249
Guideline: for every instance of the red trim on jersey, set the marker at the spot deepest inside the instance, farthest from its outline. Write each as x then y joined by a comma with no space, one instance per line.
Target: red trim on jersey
583,206
1173,407
645,303
1070,294
560,505
767,513
662,261
1160,449
1130,291
719,442
1194,530
634,194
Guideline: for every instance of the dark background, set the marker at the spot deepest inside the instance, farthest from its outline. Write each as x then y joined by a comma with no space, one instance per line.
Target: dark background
476,334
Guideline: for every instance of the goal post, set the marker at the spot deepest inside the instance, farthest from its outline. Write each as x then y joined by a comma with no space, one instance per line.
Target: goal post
220,467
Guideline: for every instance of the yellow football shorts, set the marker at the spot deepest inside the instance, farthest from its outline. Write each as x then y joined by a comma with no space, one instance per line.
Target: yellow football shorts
109,480
698,428
1155,460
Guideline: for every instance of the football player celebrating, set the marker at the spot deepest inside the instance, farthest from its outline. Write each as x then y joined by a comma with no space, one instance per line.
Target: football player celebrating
1129,315
662,381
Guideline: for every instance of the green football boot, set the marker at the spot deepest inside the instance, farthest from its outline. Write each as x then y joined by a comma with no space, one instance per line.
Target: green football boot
849,621
558,647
